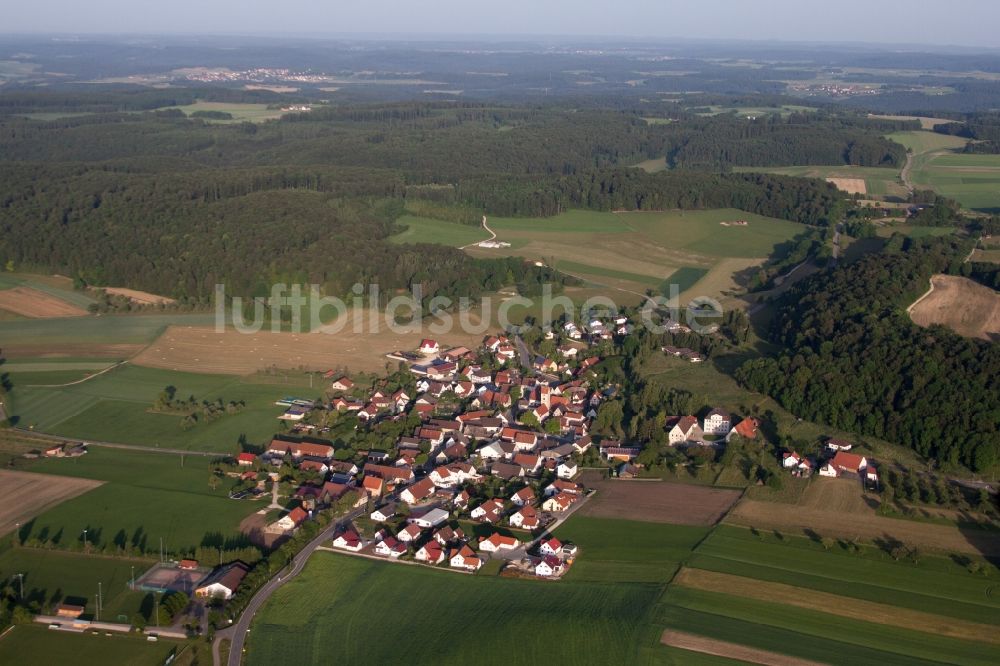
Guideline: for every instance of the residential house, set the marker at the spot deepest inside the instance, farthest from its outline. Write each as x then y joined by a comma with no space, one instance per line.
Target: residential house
497,542
684,429
384,512
390,547
717,422
747,429
551,547
529,463
490,511
566,470
418,492
246,459
548,566
525,518
431,553
559,502
410,533
428,346
523,497
464,558
561,486
342,384
349,540
506,471
447,535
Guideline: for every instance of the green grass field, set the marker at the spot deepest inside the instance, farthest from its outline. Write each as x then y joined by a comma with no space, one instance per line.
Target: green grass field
439,232
879,182
623,550
637,251
115,407
38,646
53,577
934,584
255,113
104,330
972,180
348,605
146,496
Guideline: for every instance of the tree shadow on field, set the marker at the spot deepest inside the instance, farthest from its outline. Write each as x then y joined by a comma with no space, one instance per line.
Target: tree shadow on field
985,538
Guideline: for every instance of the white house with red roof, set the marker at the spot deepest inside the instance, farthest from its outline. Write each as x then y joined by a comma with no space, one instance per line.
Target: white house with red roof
497,542
551,547
526,518
342,384
464,558
348,540
684,429
409,533
431,552
390,547
429,346
548,566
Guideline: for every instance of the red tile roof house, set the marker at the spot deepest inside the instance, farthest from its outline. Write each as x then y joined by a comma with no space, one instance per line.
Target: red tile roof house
390,547
410,533
548,566
342,384
490,511
418,492
246,459
551,547
464,558
223,582
373,485
526,518
747,429
431,552
428,346
349,540
523,496
497,542
559,502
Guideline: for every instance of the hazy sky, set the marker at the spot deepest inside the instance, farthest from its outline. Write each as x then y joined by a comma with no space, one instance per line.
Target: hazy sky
957,22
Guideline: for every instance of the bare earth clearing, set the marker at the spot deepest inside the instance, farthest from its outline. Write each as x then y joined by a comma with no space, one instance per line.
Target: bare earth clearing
202,349
849,185
718,648
137,296
658,502
24,495
966,307
835,604
29,302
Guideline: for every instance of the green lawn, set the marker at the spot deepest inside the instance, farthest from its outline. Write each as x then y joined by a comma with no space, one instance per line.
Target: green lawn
147,496
347,607
115,407
53,577
39,646
428,230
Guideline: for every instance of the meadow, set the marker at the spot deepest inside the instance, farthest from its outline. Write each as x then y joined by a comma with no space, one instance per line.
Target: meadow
339,605
972,180
628,252
146,497
115,407
254,113
36,645
53,577
879,182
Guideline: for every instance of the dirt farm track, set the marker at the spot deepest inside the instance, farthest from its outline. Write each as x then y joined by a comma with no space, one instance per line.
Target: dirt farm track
658,501
24,495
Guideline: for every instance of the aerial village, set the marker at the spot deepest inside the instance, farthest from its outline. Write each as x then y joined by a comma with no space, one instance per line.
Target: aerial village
489,453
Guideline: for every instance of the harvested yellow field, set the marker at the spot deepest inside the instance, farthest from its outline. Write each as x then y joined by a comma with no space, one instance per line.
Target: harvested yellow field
143,297
966,307
835,604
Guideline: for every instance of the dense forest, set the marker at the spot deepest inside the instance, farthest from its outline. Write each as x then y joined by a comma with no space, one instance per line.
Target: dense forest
853,359
982,130
162,202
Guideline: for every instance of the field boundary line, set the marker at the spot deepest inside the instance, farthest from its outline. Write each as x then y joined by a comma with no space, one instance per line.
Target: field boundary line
79,381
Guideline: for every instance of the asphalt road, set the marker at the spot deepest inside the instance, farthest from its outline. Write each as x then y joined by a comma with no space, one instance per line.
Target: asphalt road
237,633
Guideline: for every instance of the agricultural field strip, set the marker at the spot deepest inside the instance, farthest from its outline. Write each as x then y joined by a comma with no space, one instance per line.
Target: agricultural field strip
835,604
701,644
24,495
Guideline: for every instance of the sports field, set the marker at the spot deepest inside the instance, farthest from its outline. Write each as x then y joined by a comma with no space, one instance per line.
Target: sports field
53,577
36,645
145,496
115,406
